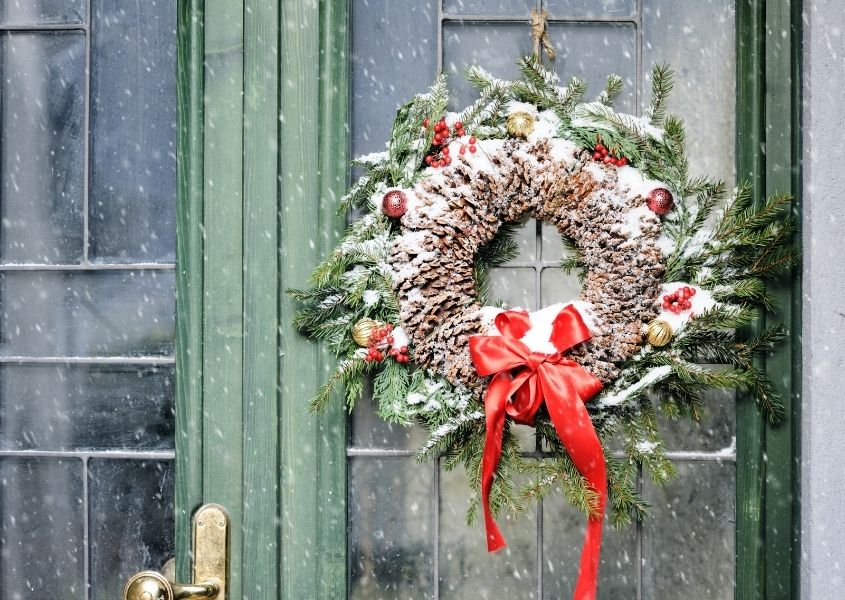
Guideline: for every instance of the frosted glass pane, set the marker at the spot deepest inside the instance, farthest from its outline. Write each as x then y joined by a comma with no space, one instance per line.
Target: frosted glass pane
41,529
31,12
553,248
493,46
593,51
390,529
133,131
715,431
590,50
371,431
66,407
558,286
563,536
689,537
591,8
697,38
393,58
520,8
54,313
41,147
467,570
513,286
525,237
131,521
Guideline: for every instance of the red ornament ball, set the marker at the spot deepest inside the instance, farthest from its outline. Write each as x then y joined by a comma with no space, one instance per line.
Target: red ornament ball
660,201
395,203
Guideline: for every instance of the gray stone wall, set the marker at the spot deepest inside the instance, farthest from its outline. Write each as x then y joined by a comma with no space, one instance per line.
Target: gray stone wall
823,421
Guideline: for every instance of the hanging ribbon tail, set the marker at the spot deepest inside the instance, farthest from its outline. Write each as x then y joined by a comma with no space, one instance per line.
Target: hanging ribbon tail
494,408
575,429
522,381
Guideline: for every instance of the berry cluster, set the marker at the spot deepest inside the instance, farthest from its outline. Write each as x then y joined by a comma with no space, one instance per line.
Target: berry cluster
381,345
679,300
439,153
602,154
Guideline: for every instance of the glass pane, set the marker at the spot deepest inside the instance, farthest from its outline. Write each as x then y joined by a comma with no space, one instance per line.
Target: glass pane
525,236
371,431
715,431
513,286
689,536
133,131
590,50
494,46
558,286
65,407
42,141
467,570
131,521
390,529
595,50
591,8
86,313
697,37
519,8
392,59
41,546
563,535
30,12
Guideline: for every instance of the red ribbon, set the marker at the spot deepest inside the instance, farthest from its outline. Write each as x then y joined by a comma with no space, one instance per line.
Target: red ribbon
528,379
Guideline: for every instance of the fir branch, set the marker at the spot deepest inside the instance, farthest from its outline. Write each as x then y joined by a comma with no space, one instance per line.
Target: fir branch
611,89
347,373
661,86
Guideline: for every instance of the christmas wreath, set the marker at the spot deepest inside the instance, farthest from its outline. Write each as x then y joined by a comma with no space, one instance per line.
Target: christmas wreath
671,267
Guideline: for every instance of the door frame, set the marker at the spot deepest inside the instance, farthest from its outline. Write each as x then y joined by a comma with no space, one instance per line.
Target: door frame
261,133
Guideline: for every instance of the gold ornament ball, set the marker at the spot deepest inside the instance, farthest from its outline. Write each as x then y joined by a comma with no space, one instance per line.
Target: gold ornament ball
520,124
363,330
659,333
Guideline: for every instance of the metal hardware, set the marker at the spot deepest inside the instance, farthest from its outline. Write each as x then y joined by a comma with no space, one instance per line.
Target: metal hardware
211,564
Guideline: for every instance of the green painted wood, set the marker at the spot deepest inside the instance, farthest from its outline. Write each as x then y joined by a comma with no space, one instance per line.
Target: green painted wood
782,176
223,269
300,368
261,302
333,160
189,282
312,171
750,85
768,143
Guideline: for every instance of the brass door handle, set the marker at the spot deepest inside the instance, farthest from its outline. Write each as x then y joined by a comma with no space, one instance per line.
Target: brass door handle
150,585
211,564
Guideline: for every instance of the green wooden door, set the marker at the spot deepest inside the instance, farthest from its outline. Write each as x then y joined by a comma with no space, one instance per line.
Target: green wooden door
263,136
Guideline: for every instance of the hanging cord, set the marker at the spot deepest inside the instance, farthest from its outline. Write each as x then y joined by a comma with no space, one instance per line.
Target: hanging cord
540,34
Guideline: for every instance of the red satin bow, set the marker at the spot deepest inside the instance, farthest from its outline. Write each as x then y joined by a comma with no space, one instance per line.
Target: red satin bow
530,378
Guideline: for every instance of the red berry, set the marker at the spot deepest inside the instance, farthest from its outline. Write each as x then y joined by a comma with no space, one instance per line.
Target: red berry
692,292
404,349
472,149
472,139
607,159
660,201
597,155
435,164
599,146
425,123
437,138
446,150
448,160
395,203
463,150
623,161
459,125
429,159
390,339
